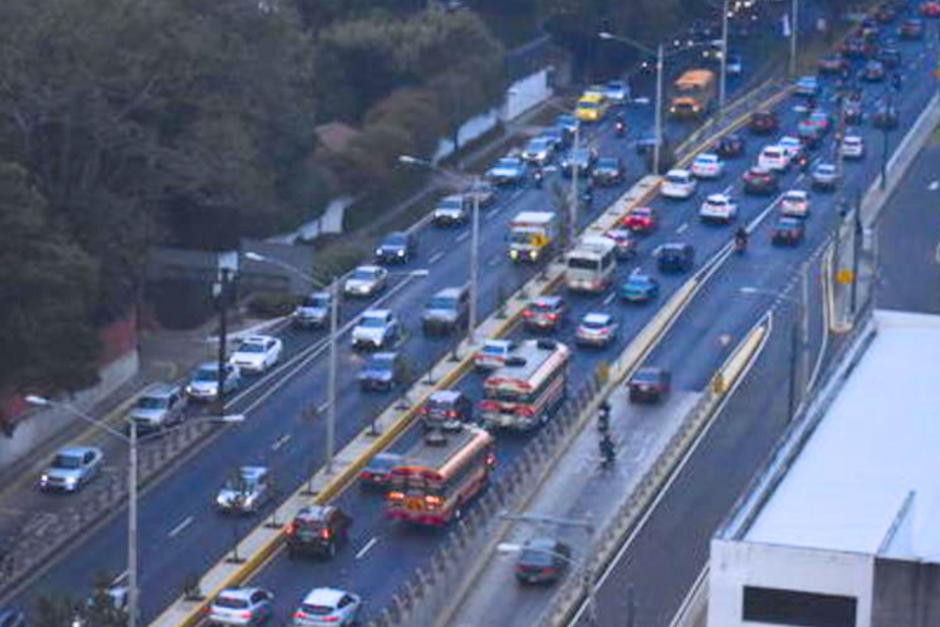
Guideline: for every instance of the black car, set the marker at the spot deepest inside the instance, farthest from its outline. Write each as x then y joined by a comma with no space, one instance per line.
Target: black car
911,29
649,385
378,469
608,171
886,117
318,530
764,122
853,112
675,257
889,57
397,247
446,409
382,371
788,232
730,146
542,560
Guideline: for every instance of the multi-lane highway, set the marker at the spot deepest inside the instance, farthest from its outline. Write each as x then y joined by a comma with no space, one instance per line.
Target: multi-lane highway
277,435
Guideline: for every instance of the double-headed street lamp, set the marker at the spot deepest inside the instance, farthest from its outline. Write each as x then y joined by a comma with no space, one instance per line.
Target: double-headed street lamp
133,591
474,235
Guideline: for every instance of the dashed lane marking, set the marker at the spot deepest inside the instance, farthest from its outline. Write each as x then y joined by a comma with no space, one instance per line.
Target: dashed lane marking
178,529
610,298
682,228
281,441
365,549
934,186
462,236
436,257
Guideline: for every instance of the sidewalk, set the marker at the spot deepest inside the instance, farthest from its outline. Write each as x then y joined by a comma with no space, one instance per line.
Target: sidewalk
577,489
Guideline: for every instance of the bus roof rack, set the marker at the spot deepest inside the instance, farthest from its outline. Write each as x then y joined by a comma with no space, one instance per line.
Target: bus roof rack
547,345
516,361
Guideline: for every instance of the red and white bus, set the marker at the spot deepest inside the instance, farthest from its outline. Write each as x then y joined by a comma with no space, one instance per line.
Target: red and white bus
533,382
439,475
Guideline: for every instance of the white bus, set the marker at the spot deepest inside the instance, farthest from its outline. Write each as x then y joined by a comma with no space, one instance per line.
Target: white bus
591,265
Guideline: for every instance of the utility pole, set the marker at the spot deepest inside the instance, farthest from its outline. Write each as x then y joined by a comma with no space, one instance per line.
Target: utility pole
791,392
331,379
658,114
857,234
804,330
573,213
884,143
222,295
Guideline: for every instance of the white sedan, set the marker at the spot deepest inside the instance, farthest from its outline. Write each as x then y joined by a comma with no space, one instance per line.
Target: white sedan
257,353
795,203
707,166
678,184
366,281
718,208
852,147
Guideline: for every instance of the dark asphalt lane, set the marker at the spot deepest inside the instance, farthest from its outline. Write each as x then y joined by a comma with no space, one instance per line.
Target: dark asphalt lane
188,491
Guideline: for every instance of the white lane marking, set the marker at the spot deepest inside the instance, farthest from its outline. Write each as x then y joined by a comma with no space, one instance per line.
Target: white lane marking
937,253
727,190
610,298
178,529
323,407
463,236
365,549
682,228
493,262
934,186
436,257
281,441
119,578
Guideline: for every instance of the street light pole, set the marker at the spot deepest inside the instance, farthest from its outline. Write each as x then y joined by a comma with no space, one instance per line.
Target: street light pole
573,210
474,266
658,114
724,57
224,279
331,382
884,144
794,28
132,586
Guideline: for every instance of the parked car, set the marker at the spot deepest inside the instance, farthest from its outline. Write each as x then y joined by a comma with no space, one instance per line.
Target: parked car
508,171
759,180
825,176
382,371
639,288
396,247
676,257
641,220
707,165
764,122
718,208
451,210
204,384
376,328
649,385
313,311
246,491
493,354
539,151
730,146
545,313
257,353
788,232
446,311
598,329
72,468
608,171
327,606
446,409
678,184
160,405
318,530
366,281
795,203
377,470
542,560
241,606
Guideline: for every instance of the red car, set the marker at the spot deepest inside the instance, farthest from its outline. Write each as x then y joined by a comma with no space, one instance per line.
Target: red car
759,181
649,385
764,122
930,9
641,220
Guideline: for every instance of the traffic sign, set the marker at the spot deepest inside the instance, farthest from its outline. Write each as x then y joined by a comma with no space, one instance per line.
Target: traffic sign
844,276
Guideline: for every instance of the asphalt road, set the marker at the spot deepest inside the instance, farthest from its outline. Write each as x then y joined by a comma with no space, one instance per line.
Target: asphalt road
670,549
276,436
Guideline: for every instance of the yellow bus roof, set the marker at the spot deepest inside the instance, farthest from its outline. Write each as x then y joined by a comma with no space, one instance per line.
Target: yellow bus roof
694,78
591,98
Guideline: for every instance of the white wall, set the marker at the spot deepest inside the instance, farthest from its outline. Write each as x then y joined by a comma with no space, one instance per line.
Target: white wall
736,564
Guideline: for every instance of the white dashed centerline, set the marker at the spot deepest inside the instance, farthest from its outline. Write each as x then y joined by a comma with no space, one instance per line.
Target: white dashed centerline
178,529
610,298
365,549
682,228
461,237
281,441
436,257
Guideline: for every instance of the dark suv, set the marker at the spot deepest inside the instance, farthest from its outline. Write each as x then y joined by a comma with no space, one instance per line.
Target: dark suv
446,409
649,385
446,311
676,257
397,247
318,530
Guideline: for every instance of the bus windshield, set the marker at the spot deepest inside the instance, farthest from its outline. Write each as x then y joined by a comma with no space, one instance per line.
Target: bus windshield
581,263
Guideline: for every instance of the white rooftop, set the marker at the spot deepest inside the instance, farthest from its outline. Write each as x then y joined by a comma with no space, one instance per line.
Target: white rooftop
877,443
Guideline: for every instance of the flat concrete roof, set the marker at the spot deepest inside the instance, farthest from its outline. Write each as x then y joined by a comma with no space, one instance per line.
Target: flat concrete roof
878,442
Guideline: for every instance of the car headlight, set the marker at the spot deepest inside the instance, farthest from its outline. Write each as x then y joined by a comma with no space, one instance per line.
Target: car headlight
70,480
378,251
514,253
401,253
190,389
44,478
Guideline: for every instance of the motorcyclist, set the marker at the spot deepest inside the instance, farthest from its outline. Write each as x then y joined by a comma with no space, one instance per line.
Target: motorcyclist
896,81
603,417
802,160
589,193
620,125
740,238
606,446
538,175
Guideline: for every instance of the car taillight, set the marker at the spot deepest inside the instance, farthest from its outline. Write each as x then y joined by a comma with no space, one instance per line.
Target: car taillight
527,313
452,413
552,316
491,459
548,570
291,529
489,406
299,614
433,501
330,619
325,533
525,410
396,496
245,615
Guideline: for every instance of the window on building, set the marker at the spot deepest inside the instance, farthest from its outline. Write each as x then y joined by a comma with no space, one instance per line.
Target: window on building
791,607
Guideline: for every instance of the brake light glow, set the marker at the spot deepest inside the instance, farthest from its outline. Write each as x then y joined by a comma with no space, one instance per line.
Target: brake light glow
330,619
433,500
552,316
245,615
525,410
325,533
396,496
299,614
291,529
527,313
489,406
452,413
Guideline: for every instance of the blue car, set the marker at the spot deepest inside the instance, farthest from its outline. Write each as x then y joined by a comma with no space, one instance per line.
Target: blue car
568,122
382,371
507,171
639,288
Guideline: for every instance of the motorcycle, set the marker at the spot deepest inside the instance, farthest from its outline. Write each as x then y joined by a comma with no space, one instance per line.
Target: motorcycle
538,176
608,453
603,418
740,244
620,128
803,162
